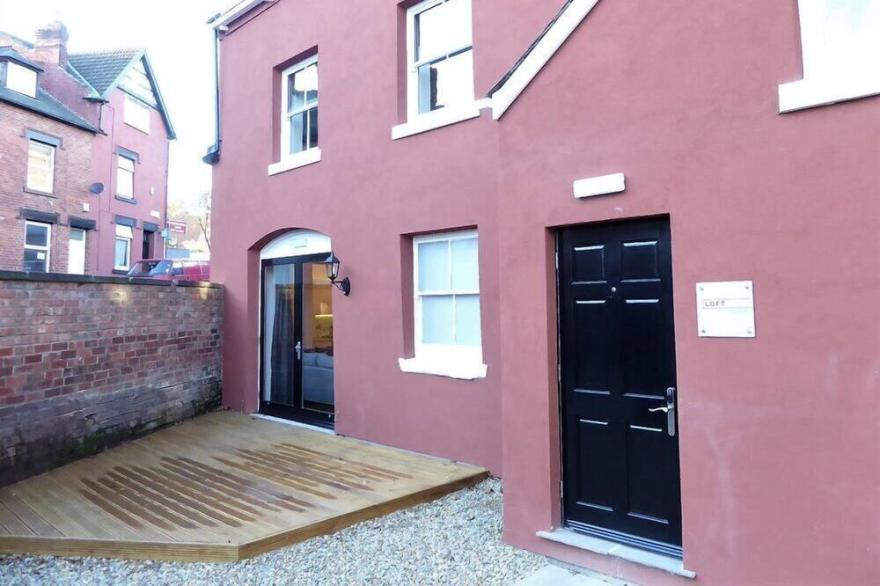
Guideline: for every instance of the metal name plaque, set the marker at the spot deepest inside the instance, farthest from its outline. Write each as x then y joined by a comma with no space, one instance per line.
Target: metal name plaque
726,309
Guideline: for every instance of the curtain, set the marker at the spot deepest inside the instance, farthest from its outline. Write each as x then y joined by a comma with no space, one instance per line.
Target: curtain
283,343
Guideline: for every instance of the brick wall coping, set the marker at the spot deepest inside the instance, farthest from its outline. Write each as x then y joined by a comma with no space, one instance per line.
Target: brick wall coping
92,279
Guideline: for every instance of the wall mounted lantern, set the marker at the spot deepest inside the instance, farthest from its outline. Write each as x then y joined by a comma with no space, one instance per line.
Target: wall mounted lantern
333,274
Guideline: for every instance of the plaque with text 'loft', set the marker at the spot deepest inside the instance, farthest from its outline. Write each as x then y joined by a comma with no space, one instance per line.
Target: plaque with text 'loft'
726,309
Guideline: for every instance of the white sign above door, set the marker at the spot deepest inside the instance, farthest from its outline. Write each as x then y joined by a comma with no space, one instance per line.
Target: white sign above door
726,309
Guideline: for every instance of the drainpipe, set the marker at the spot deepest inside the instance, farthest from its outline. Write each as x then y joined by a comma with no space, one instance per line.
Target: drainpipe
212,157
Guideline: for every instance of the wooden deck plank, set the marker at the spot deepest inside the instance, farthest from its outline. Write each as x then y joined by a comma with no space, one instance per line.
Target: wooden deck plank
218,488
60,488
265,507
33,520
11,524
131,470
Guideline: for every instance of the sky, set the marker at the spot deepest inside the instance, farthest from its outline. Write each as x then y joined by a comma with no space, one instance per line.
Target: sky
180,46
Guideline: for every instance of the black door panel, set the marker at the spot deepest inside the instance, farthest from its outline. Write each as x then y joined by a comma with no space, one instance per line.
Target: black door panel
617,352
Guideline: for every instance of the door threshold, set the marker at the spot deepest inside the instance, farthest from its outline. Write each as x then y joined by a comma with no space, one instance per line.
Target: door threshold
293,423
601,546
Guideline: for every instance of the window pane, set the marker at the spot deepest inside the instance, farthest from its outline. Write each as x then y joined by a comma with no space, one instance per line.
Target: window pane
433,265
297,99
313,128
311,83
298,133
437,320
454,81
35,261
21,79
465,272
443,29
41,158
840,38
467,320
126,163
36,235
76,253
121,259
124,183
124,231
136,114
303,86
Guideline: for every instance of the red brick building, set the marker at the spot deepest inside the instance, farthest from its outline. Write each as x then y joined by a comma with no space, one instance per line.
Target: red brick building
83,157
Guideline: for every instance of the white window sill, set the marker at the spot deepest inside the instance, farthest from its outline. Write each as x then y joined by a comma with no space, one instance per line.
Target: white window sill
296,161
436,119
618,550
799,95
464,370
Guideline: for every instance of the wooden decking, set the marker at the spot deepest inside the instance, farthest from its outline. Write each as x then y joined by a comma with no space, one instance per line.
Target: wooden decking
219,488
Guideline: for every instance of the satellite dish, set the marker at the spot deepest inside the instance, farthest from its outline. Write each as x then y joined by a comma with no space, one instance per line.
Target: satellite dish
96,188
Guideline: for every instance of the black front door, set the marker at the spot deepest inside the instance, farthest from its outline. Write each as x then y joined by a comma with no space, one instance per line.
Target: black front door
617,353
147,248
297,340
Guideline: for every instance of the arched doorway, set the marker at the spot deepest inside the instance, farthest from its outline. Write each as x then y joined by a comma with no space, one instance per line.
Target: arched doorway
296,329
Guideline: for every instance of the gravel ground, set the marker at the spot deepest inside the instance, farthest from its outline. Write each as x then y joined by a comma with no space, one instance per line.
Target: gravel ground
454,540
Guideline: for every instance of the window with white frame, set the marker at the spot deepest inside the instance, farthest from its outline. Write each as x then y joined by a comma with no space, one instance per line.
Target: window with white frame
299,108
41,166
440,56
21,79
448,338
122,251
124,176
37,245
136,114
840,44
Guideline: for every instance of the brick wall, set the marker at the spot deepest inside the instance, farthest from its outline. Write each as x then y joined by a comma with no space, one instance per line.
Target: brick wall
73,175
86,362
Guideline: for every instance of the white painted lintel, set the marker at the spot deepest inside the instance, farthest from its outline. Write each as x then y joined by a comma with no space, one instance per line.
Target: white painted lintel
603,185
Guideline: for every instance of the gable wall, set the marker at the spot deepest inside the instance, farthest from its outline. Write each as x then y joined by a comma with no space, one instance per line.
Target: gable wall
151,177
776,431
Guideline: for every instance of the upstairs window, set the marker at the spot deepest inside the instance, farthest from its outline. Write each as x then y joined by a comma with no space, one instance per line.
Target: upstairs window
299,108
37,240
41,167
440,56
21,79
124,177
136,114
840,44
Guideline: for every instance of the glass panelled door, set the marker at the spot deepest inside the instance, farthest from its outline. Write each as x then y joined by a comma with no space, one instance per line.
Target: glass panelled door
317,340
297,340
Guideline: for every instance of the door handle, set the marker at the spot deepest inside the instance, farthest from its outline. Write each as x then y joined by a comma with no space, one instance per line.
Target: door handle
298,349
669,409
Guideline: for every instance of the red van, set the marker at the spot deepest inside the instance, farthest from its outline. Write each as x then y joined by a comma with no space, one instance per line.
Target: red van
171,270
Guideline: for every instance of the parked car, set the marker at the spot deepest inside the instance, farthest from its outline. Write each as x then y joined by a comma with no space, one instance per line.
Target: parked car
171,270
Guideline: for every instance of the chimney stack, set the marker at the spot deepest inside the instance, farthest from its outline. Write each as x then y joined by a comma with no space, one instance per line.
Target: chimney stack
51,45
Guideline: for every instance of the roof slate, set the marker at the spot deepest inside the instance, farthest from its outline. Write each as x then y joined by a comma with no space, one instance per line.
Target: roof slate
46,105
7,52
102,68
